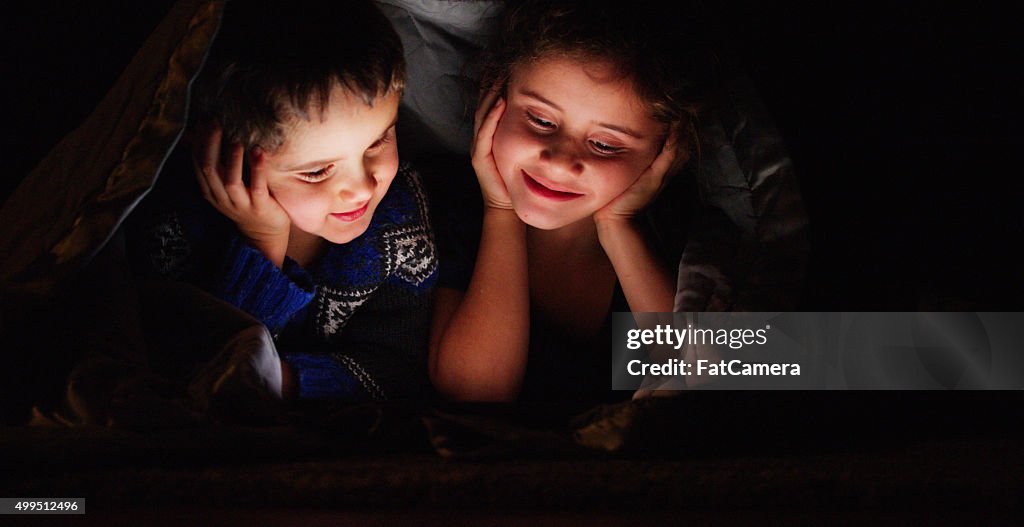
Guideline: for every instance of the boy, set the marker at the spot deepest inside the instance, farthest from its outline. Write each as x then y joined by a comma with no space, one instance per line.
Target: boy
315,229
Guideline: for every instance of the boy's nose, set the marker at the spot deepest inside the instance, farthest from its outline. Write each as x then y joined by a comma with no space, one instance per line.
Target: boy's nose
357,187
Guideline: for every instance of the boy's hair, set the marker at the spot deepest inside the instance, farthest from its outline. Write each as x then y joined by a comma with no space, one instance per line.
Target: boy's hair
661,52
273,61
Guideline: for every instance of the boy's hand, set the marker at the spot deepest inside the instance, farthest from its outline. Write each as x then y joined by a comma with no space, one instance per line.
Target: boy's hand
259,217
491,108
646,187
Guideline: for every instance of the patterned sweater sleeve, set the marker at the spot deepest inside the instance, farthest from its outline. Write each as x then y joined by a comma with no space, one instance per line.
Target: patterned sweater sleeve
178,247
255,285
175,235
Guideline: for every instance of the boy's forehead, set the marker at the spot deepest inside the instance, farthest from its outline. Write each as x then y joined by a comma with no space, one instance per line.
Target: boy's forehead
341,102
346,126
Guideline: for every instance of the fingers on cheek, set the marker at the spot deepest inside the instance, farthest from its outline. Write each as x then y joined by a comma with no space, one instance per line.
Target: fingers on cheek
204,188
496,113
258,157
237,150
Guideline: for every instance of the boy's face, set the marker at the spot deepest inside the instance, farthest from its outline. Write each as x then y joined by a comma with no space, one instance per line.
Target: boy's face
330,174
573,137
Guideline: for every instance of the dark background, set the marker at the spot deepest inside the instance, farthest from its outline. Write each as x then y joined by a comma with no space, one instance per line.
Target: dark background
902,120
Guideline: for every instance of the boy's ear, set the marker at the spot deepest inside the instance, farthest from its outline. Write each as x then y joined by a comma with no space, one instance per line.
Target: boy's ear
246,164
194,132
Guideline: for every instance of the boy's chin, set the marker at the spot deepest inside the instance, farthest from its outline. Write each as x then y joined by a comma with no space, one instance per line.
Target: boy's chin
345,236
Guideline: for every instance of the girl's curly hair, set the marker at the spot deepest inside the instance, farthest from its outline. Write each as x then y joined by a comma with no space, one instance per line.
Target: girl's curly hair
663,54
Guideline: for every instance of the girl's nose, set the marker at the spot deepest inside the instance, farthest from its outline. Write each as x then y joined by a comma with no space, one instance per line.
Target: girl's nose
562,156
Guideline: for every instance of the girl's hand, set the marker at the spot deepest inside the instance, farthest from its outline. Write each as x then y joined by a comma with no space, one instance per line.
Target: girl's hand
491,108
258,216
646,187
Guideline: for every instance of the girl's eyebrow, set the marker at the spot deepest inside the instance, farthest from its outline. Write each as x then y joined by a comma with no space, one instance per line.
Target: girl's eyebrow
617,128
535,95
620,129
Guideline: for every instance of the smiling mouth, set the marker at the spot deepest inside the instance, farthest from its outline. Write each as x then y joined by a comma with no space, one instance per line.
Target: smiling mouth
541,190
352,215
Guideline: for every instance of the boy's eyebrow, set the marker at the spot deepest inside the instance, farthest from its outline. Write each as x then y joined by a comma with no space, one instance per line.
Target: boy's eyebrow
319,164
311,165
617,128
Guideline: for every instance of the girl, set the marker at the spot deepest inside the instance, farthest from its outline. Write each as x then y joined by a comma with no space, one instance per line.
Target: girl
585,115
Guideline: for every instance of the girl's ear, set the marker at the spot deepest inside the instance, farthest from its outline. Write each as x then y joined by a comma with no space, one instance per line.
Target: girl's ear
684,139
499,85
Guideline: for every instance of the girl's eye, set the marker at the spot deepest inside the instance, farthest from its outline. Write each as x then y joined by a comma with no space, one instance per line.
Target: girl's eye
605,148
317,175
539,123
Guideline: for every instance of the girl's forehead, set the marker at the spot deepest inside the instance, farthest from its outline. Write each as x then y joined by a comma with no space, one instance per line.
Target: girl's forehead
596,68
596,86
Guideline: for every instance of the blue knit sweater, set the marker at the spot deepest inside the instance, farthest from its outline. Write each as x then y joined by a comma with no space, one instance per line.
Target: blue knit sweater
352,326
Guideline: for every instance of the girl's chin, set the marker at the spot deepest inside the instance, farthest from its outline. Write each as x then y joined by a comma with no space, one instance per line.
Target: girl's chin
545,220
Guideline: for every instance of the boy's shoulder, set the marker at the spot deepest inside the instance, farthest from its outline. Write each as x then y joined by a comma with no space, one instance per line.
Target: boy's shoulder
398,245
173,232
407,236
395,258
405,204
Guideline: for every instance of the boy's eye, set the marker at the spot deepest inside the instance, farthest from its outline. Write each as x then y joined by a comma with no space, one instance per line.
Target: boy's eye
543,124
605,148
384,139
316,176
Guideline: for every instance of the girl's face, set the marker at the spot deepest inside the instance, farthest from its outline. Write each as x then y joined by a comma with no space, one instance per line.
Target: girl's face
573,137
